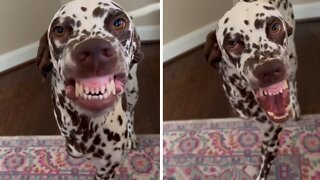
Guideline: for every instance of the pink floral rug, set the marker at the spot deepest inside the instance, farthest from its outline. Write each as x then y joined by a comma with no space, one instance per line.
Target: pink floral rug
45,158
225,149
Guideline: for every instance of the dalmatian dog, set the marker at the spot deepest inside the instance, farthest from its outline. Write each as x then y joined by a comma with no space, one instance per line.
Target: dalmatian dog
92,50
253,48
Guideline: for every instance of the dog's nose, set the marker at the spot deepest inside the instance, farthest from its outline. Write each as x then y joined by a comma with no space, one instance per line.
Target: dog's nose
93,51
270,72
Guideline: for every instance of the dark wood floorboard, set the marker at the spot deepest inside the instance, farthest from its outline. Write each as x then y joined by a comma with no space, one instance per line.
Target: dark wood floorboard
192,89
25,103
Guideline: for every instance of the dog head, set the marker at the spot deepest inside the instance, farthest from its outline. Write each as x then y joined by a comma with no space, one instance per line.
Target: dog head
251,40
90,47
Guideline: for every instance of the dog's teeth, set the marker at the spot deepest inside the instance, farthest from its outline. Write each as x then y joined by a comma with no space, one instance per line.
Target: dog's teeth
80,90
97,90
85,96
76,89
112,86
89,97
285,85
281,91
105,96
270,113
103,89
265,93
108,88
86,90
92,91
100,97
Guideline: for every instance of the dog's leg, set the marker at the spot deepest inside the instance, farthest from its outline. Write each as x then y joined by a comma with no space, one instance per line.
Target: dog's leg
294,100
269,148
105,166
132,93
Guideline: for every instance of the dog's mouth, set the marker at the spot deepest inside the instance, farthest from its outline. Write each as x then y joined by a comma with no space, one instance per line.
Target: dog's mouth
95,93
275,100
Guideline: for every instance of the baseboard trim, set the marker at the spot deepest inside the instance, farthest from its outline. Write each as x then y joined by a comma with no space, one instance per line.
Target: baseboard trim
24,54
18,56
195,38
306,10
187,42
149,33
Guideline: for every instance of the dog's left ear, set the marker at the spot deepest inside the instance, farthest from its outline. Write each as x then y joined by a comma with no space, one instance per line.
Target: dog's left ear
289,29
138,54
43,58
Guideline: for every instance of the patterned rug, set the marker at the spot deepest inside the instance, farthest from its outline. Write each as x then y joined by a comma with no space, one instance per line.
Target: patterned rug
225,149
45,158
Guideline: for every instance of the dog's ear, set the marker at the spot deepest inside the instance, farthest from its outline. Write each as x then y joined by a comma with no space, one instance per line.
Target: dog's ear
211,49
43,56
138,54
289,29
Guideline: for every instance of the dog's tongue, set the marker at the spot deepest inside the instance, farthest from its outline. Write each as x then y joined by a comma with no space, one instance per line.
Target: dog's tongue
277,103
277,99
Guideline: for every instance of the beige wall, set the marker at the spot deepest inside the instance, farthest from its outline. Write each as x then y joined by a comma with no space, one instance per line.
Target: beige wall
184,16
128,5
24,21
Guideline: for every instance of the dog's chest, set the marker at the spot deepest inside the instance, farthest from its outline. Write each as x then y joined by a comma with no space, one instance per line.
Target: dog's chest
92,136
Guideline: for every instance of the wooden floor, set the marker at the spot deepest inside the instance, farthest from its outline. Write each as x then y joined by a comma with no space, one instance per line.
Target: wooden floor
25,107
192,89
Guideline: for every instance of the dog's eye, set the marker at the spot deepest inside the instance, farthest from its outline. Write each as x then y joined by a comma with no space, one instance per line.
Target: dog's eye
232,44
59,31
119,23
275,27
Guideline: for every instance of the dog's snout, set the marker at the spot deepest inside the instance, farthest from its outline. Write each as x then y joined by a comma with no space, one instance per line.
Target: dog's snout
93,51
270,72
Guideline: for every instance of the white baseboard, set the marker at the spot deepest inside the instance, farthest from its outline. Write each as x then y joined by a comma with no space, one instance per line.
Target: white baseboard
187,42
18,56
197,37
306,10
26,53
148,33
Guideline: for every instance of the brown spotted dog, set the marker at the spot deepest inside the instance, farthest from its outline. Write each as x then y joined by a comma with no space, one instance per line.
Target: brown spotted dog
92,49
254,50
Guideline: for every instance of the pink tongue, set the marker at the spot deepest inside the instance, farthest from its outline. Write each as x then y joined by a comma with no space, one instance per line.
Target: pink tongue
275,103
275,88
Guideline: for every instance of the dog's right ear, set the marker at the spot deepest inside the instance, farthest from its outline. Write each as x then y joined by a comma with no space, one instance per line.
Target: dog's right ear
211,49
43,56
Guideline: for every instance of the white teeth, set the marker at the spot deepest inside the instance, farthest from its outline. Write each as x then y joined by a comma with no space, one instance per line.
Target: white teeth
278,117
86,90
112,86
80,90
100,93
270,113
285,85
103,89
76,89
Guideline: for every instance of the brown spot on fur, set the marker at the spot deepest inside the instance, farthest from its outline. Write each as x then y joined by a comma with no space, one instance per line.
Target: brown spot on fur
258,23
98,12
